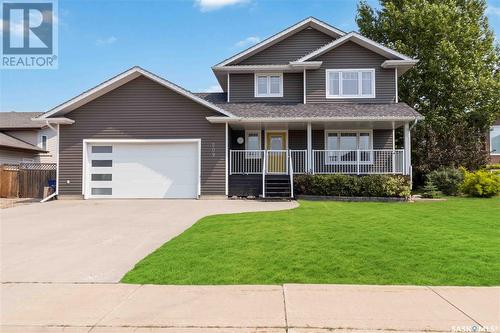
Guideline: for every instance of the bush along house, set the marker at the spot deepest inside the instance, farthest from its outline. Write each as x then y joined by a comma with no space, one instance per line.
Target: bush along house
310,99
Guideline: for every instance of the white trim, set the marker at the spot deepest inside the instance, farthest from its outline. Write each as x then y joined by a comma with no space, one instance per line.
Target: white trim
309,148
48,121
396,82
360,79
57,159
304,86
359,39
399,63
491,141
90,141
283,34
407,148
292,66
268,79
120,80
228,87
227,160
216,120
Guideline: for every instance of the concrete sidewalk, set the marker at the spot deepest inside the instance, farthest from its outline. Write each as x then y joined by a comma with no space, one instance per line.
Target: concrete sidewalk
50,307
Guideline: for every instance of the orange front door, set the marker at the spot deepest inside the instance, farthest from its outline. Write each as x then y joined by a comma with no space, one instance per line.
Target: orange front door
276,155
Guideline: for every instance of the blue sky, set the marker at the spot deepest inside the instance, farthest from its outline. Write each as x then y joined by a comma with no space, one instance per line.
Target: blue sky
179,40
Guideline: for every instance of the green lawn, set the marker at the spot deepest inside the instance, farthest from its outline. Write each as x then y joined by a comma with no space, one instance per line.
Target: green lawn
456,242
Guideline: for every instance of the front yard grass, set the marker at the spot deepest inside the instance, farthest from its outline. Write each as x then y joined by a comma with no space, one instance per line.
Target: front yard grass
454,242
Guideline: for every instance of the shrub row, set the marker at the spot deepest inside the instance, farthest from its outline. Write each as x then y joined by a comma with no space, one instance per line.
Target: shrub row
353,186
482,183
450,181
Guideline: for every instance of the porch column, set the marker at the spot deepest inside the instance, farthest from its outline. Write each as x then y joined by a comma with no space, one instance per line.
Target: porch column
309,148
407,148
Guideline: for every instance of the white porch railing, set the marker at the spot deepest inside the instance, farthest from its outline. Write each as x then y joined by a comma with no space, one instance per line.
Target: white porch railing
375,161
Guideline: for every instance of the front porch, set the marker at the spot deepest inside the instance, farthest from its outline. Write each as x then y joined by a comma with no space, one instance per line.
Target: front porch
263,157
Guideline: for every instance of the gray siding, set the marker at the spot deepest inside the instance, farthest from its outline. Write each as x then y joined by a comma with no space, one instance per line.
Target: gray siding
142,109
242,89
351,55
290,49
382,139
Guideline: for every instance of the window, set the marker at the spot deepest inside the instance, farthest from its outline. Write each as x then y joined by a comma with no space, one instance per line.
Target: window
342,146
495,140
43,142
102,191
269,85
102,149
350,83
102,163
102,177
253,142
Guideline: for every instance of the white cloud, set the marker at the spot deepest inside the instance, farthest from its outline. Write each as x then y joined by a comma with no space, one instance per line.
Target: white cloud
209,5
248,41
213,88
492,10
106,41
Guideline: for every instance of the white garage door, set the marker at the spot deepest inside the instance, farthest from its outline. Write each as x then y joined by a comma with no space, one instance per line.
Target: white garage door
142,169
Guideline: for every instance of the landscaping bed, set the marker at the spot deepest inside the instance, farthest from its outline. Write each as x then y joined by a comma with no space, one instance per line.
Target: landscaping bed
453,242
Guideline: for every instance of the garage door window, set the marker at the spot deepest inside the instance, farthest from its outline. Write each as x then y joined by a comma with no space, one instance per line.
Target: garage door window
102,191
102,149
102,163
102,177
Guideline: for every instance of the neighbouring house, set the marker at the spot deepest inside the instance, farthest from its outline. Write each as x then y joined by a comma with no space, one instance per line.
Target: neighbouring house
493,142
309,99
23,140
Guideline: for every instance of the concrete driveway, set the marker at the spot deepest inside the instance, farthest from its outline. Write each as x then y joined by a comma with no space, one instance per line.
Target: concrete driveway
98,240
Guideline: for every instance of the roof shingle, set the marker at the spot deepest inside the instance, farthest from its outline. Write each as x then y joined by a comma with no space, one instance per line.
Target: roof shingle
18,120
318,110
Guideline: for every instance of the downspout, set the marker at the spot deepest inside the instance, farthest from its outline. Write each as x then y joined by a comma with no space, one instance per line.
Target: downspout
49,197
57,176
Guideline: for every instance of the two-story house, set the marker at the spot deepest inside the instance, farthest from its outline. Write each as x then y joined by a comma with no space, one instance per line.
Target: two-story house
309,99
23,140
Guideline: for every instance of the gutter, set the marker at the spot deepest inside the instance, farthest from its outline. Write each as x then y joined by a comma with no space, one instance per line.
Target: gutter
295,120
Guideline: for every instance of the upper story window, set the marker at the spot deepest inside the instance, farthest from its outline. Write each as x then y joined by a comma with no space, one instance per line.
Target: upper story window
43,142
350,83
269,85
495,140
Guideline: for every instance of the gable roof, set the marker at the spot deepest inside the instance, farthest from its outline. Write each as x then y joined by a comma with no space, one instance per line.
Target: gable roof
118,81
14,143
19,120
361,40
308,22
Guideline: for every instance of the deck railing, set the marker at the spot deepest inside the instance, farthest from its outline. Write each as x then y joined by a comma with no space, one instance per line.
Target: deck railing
374,161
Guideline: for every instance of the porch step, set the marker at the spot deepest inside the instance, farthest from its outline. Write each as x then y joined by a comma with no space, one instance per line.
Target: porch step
278,186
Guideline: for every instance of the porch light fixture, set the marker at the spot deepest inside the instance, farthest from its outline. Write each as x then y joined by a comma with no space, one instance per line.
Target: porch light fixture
240,140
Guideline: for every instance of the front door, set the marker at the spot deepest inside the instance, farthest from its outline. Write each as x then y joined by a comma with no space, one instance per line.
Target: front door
277,154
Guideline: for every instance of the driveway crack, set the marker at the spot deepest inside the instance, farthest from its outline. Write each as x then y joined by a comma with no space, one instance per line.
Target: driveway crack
456,307
115,307
284,307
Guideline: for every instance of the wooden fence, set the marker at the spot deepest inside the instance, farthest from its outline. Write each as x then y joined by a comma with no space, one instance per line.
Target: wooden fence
25,180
